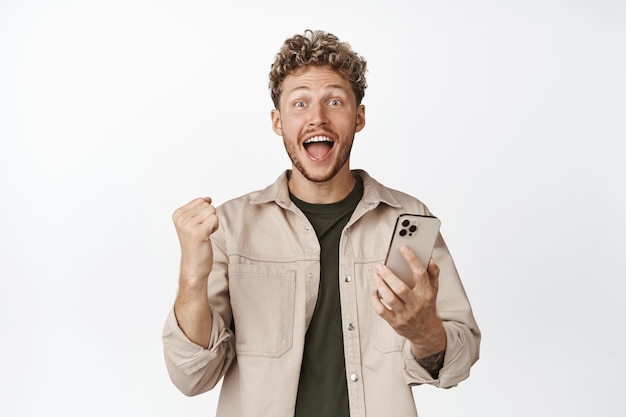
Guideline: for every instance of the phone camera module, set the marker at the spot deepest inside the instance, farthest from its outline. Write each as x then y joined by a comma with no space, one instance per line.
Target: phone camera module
409,227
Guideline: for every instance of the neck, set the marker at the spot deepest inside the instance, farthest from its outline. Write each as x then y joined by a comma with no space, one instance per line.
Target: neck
331,191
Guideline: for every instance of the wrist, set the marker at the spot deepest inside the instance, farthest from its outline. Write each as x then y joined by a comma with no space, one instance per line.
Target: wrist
192,286
429,343
193,276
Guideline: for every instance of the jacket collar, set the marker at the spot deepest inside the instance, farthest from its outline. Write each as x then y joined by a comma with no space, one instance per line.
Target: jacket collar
374,193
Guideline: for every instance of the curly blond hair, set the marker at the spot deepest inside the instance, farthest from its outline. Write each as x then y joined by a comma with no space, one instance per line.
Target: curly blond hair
317,48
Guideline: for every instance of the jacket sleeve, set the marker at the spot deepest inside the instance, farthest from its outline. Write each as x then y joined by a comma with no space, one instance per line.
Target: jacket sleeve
192,368
462,333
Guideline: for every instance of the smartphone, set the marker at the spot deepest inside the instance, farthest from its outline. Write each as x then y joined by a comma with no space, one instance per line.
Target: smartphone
418,232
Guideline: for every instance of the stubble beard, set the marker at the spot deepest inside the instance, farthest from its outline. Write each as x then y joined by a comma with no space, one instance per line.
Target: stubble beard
342,159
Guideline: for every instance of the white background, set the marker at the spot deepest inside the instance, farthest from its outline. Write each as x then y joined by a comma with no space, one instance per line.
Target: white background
507,118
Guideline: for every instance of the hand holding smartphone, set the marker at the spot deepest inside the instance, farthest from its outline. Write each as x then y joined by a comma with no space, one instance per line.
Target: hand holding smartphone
418,232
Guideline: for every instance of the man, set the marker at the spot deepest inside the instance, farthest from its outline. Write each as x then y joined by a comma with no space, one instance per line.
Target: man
283,291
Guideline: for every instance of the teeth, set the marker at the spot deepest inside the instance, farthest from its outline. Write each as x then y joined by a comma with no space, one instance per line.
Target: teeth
318,139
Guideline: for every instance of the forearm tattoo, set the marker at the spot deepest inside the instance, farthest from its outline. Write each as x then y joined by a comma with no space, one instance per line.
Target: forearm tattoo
433,363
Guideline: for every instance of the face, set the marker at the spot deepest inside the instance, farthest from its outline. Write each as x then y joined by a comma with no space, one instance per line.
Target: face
318,118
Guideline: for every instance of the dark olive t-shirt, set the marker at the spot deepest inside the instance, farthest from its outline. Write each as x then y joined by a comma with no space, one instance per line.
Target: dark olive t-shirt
323,389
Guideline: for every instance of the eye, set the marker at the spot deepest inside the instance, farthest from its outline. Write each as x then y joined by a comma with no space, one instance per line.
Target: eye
299,104
335,102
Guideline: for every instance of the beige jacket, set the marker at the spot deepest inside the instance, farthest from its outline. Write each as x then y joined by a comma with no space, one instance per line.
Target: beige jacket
263,290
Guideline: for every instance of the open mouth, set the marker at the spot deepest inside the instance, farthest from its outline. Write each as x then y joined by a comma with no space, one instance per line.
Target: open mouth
318,146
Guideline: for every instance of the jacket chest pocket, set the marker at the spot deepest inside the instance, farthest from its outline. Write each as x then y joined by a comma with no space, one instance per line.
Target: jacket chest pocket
263,305
385,337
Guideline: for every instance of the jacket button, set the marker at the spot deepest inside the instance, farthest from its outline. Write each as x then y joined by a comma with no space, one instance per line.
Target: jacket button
347,278
354,377
350,326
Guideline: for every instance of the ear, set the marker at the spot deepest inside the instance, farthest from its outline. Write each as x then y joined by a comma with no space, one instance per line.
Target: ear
360,118
277,124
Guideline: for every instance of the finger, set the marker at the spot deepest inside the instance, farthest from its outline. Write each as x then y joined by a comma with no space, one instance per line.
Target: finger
379,306
197,219
419,271
391,289
197,212
196,205
201,213
188,209
212,223
204,224
433,273
395,285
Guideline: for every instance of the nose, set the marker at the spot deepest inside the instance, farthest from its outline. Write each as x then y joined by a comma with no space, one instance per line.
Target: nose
318,115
